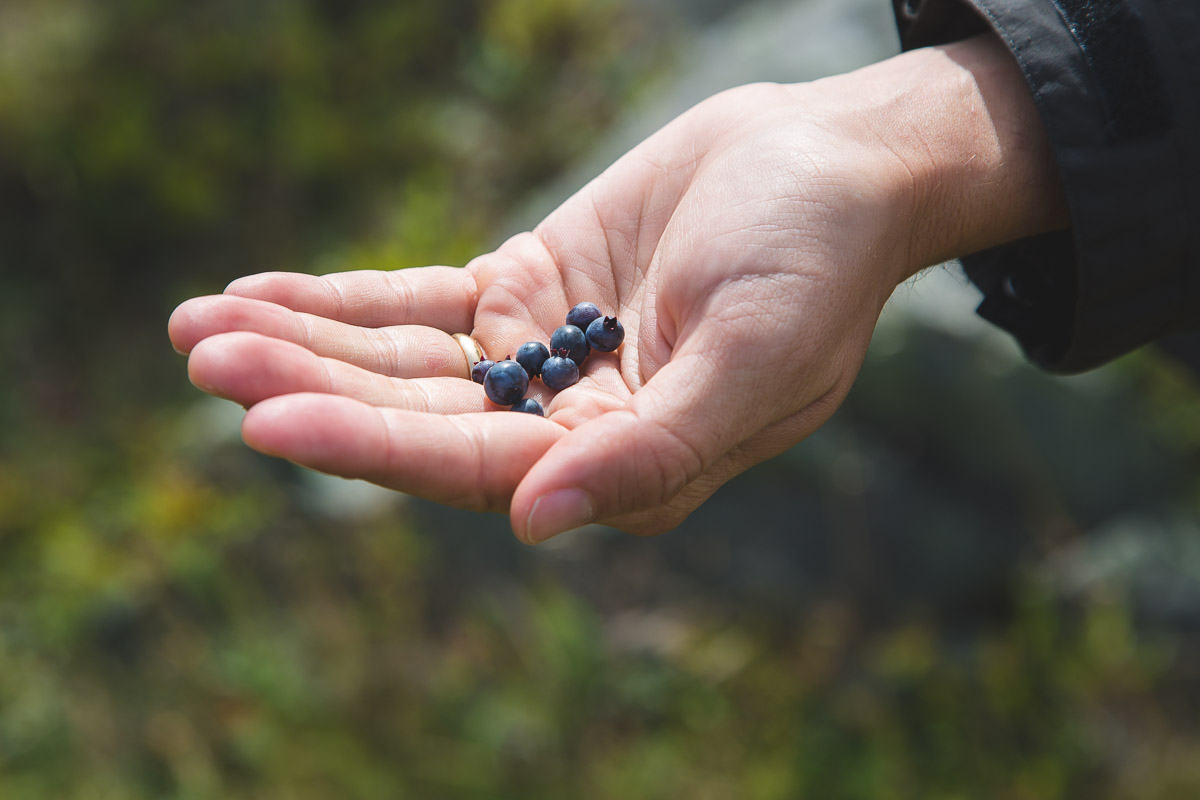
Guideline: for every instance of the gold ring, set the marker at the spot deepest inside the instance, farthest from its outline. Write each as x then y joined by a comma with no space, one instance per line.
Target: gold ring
471,350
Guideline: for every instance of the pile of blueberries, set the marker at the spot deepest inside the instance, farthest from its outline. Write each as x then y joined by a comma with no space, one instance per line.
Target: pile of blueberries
506,382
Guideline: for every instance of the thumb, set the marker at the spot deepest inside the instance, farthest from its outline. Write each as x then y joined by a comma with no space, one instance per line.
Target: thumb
634,460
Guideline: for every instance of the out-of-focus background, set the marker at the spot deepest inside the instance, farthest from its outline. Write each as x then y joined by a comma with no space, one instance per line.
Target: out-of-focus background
977,581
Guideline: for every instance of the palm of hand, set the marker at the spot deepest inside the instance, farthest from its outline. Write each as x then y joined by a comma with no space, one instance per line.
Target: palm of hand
728,244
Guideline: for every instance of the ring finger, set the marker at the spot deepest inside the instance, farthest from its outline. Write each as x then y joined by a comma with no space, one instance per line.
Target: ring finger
401,351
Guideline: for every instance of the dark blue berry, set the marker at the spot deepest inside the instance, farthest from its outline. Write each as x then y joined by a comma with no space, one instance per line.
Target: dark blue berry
531,356
605,334
568,337
582,315
480,369
529,406
559,371
505,383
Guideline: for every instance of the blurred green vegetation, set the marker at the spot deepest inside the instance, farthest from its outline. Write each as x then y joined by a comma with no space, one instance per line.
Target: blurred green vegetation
176,620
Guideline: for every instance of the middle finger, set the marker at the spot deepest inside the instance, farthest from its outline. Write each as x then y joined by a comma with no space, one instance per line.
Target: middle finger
250,367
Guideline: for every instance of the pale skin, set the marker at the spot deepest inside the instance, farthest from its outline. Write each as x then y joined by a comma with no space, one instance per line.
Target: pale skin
747,247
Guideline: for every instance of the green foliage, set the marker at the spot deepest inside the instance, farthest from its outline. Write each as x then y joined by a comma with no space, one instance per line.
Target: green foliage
279,676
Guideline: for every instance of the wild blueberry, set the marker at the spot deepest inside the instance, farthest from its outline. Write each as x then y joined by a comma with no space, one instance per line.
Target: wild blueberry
505,383
582,315
605,334
560,371
568,337
480,369
531,356
529,406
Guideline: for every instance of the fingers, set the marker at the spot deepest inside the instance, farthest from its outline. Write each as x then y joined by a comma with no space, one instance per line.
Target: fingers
437,297
471,461
249,368
408,351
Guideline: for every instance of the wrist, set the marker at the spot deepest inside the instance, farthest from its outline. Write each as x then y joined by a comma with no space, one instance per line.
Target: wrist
972,165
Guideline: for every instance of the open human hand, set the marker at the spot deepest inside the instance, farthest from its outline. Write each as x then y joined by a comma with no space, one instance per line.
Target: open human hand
748,248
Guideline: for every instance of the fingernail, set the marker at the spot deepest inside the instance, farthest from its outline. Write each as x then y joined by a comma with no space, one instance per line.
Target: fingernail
557,513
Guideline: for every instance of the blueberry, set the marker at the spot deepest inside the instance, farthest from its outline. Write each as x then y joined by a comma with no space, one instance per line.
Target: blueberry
605,334
568,337
559,371
582,315
529,406
480,369
531,356
505,383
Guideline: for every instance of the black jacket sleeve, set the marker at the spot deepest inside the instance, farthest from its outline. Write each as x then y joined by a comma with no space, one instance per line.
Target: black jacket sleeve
1117,85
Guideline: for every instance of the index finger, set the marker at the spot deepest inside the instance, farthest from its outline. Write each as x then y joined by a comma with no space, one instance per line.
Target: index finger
437,297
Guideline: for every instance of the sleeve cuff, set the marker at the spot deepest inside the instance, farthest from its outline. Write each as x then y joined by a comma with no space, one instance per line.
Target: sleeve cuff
1117,278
